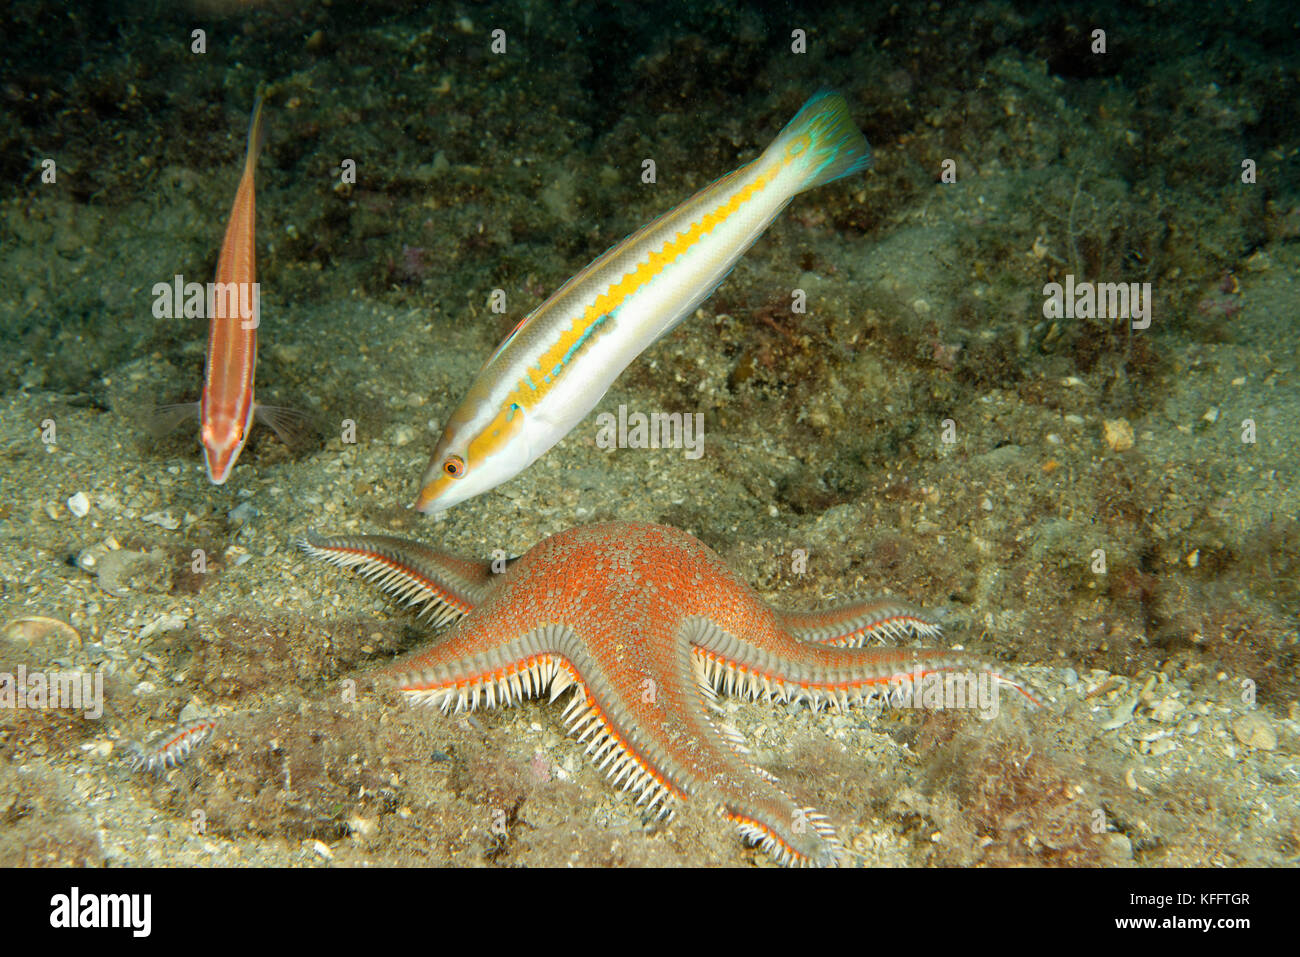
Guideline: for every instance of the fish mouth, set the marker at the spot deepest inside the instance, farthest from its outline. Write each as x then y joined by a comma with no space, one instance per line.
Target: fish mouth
429,501
220,463
218,473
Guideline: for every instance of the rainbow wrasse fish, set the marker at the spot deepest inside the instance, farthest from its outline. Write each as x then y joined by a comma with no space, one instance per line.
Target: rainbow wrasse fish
559,361
226,406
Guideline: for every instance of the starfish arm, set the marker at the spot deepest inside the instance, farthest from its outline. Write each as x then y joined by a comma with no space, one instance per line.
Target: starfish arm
487,660
859,623
444,586
768,662
747,795
664,716
478,665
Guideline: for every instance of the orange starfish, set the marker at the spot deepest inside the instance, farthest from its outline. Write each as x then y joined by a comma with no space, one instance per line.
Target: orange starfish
647,624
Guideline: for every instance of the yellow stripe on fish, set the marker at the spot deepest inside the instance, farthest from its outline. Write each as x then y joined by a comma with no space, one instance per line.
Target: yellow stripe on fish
558,362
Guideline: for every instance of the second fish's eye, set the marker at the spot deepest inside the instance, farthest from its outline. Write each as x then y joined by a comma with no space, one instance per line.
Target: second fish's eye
454,466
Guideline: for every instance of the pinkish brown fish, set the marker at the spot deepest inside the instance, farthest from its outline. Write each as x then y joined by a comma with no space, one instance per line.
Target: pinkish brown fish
226,407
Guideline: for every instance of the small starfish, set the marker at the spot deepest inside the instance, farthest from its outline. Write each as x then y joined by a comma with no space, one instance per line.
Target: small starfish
647,624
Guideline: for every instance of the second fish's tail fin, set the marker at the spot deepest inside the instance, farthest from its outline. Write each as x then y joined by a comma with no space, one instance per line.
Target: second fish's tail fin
822,143
256,135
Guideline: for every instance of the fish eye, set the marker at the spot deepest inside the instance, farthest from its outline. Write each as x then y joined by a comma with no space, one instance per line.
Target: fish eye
454,467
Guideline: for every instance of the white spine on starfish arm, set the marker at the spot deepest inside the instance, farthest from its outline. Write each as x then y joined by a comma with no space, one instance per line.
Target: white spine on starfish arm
389,573
529,680
875,621
754,832
764,837
606,748
583,717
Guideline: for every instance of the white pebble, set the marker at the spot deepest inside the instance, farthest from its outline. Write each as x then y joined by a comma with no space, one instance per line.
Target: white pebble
79,505
164,622
164,519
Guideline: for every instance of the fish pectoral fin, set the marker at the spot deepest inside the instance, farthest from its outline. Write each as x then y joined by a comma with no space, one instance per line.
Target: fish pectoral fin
296,428
162,419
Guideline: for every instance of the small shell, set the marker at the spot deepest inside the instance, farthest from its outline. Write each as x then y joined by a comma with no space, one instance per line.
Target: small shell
1253,730
1118,434
1121,715
88,558
163,519
37,629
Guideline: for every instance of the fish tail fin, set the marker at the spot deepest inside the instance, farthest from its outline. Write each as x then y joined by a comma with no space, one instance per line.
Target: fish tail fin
256,135
821,143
